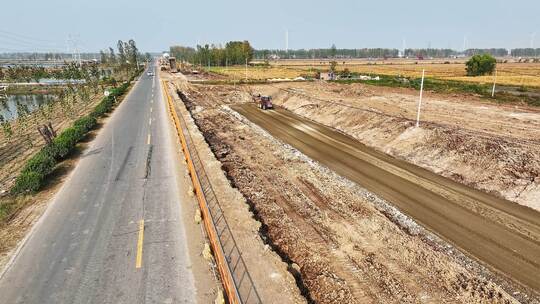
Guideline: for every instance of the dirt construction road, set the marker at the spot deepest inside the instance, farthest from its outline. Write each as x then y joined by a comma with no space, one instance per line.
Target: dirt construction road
502,235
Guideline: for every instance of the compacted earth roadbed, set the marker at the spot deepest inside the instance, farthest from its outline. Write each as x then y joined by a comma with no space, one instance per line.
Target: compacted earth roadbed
506,240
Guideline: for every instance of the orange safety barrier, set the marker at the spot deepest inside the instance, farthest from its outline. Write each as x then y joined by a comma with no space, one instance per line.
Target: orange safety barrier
224,271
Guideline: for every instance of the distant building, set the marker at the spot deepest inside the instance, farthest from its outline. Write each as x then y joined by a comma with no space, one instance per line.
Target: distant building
327,76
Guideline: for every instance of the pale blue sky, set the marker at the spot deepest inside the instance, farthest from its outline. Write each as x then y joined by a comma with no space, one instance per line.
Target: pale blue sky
156,25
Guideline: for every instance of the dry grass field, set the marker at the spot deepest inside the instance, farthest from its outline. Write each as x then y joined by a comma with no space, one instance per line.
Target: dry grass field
259,72
511,73
519,74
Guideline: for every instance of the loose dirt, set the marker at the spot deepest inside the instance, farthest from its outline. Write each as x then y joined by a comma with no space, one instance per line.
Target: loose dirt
343,240
488,146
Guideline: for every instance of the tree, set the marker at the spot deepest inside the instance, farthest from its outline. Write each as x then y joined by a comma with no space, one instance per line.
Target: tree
132,51
526,52
183,53
333,51
493,52
235,52
121,52
480,65
333,65
112,56
103,57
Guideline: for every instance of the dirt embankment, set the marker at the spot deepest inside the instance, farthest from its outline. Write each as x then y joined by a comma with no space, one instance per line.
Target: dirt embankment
488,146
344,244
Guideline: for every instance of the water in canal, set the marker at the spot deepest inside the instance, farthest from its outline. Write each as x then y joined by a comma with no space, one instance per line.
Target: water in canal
13,106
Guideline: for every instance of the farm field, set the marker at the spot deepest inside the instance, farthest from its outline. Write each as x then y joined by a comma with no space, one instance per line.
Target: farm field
511,73
260,72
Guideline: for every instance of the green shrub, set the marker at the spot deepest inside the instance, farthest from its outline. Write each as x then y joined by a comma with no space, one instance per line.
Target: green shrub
66,141
50,150
480,65
27,181
115,92
87,123
42,163
102,108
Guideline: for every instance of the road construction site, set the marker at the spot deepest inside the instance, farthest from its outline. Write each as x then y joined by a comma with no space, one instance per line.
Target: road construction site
364,207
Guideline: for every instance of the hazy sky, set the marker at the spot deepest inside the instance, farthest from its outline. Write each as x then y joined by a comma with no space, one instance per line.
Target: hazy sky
155,25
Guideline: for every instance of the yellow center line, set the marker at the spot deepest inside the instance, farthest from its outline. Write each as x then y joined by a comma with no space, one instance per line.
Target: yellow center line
150,121
148,141
138,261
150,109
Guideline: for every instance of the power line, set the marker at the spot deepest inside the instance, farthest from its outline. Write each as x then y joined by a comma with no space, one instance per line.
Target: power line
27,48
24,37
25,43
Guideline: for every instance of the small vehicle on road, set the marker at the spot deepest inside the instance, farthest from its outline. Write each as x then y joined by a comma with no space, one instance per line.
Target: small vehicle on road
265,102
150,73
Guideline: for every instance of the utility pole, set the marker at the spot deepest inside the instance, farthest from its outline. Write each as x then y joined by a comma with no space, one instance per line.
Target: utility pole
494,83
287,42
403,47
533,35
75,52
420,101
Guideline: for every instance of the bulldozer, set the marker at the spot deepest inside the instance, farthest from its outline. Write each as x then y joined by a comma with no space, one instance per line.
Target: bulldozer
264,101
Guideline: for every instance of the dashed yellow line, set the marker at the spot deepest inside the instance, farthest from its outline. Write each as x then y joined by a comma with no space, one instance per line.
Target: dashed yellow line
138,261
150,109
150,121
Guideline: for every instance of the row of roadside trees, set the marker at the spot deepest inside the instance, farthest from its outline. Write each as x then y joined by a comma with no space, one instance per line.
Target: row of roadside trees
234,52
25,73
127,59
128,54
334,52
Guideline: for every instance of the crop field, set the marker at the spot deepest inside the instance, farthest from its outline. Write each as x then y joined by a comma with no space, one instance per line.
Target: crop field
519,74
260,72
513,73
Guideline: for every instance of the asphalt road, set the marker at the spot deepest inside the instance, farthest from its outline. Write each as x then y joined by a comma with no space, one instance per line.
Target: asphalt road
113,233
451,210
